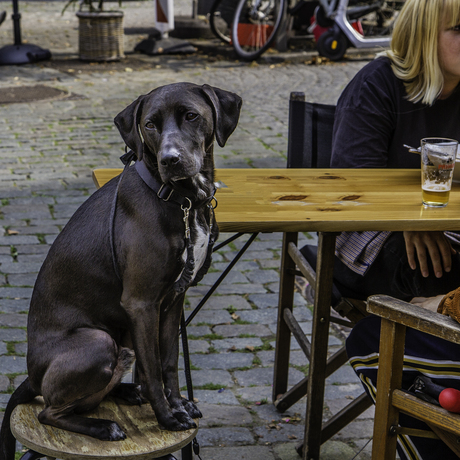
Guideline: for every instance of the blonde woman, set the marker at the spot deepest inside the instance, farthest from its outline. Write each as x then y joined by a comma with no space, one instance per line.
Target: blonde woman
409,92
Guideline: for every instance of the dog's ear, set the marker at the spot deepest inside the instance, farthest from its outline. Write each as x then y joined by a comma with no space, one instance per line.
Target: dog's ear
127,122
226,108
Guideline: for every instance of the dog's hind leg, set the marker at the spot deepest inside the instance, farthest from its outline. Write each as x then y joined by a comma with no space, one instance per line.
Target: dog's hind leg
79,378
66,419
130,393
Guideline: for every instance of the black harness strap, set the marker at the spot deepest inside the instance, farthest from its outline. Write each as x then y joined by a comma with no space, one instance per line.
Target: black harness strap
126,160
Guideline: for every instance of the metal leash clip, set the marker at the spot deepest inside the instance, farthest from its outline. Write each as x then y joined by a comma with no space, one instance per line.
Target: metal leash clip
186,214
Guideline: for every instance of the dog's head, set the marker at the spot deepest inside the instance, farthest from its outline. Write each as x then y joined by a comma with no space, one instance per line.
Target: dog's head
172,129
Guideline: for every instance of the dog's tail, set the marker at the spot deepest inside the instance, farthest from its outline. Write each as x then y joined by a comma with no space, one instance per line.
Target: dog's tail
23,394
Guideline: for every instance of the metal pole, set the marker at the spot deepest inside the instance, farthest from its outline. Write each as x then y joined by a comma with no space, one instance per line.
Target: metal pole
16,23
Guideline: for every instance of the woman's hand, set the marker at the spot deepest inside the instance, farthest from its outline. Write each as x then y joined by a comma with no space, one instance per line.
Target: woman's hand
429,303
429,245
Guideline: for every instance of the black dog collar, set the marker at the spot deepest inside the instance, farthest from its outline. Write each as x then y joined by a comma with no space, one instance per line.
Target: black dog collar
163,191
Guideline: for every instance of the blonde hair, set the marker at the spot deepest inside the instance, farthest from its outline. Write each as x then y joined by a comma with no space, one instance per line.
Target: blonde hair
414,46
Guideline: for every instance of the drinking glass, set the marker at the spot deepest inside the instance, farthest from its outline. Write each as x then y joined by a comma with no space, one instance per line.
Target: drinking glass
438,161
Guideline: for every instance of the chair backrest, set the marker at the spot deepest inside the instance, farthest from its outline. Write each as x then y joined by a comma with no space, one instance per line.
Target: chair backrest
310,133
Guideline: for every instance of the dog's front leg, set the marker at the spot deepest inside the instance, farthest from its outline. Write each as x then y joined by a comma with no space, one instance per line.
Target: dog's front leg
144,319
183,409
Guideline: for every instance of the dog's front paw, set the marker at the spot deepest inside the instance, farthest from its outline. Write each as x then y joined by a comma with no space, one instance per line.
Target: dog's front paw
172,423
191,408
184,418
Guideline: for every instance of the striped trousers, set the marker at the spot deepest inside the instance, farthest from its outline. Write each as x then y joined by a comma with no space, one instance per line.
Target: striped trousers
423,355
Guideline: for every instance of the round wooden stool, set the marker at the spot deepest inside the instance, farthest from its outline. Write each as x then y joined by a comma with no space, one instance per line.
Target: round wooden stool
144,438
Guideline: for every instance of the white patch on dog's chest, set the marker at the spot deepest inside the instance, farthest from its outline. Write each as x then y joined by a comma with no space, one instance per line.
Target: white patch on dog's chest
200,248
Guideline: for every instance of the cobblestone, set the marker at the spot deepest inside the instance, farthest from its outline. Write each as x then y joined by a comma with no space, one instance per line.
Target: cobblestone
223,360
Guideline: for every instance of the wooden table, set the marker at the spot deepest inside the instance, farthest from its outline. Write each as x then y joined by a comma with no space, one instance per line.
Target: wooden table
326,201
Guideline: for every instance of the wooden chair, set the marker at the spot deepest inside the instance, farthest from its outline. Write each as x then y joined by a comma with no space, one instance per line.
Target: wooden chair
310,146
391,400
145,439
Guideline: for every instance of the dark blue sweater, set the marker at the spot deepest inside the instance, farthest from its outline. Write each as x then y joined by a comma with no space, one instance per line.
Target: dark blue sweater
374,119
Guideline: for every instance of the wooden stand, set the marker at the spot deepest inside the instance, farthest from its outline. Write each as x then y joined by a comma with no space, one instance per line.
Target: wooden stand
145,439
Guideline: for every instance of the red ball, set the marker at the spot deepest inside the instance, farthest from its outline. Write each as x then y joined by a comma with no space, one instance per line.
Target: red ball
450,400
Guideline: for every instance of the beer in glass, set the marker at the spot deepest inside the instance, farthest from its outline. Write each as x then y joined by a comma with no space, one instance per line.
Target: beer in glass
438,162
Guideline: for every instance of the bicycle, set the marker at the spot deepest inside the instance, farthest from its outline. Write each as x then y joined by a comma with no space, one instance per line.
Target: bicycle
221,18
255,26
222,12
251,26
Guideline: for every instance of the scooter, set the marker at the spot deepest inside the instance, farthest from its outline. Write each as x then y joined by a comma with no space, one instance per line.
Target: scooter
344,29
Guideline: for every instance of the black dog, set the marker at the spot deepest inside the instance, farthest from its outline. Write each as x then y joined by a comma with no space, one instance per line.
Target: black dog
112,287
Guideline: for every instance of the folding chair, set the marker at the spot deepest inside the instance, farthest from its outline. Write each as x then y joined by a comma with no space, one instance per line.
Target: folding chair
309,146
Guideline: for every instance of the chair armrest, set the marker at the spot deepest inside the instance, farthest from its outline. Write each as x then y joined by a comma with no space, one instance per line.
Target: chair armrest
415,317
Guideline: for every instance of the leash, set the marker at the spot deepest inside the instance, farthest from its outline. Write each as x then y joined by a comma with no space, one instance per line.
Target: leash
188,375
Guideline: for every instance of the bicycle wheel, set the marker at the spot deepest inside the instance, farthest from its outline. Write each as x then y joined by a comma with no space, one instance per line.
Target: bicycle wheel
255,25
221,17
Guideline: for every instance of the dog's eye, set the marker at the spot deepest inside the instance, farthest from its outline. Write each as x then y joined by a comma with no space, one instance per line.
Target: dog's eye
150,125
190,116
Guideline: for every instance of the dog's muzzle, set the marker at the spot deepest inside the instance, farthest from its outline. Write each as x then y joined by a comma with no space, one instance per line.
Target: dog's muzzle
174,166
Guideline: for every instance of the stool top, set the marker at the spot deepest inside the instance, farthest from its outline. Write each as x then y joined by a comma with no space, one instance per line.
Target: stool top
145,439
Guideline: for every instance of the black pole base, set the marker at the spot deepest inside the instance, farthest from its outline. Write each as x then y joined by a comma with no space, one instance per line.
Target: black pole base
23,54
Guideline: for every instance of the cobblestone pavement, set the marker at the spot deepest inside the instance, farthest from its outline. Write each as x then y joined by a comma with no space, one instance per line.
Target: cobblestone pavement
47,151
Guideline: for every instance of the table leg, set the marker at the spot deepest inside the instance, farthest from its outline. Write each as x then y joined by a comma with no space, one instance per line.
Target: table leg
319,343
283,334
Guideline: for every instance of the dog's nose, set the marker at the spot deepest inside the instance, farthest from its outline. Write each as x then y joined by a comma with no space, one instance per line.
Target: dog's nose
170,159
